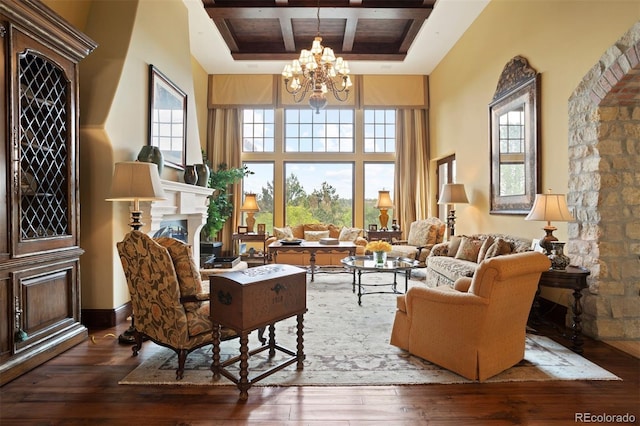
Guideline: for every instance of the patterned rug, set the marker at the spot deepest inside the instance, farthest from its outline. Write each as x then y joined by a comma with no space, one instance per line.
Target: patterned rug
348,345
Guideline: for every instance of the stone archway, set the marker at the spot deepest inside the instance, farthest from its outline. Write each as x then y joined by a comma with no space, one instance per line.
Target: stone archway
604,189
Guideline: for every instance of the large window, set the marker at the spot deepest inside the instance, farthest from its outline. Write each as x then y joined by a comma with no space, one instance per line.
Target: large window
325,167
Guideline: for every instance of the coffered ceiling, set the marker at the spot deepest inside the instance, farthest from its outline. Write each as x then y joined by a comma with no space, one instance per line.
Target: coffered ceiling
392,37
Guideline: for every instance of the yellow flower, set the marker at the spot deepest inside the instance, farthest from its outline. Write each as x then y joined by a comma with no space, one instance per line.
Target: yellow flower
378,246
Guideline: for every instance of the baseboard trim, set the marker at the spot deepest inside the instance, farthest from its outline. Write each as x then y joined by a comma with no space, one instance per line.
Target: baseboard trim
106,318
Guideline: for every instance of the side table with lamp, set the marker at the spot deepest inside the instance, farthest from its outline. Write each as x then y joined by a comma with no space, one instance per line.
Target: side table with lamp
553,207
384,203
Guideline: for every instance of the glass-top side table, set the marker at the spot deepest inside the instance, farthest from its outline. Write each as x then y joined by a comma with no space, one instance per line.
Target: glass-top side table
365,264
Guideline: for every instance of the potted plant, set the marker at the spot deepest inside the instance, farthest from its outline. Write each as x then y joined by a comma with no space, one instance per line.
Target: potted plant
220,204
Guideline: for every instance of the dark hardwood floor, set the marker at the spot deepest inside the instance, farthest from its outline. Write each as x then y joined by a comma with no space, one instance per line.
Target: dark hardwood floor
80,387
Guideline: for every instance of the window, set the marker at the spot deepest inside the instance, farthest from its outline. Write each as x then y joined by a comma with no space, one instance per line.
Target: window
318,167
329,131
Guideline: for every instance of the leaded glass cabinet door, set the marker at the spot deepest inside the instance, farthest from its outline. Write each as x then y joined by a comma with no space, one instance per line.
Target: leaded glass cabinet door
44,175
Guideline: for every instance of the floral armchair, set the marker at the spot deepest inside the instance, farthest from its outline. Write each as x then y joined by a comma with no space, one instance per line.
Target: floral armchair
423,235
169,307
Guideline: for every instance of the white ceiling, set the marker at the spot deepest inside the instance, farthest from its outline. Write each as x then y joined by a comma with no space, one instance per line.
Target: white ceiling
446,24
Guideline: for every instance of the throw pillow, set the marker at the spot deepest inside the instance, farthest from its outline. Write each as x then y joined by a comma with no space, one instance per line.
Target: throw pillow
349,234
282,233
483,249
499,247
315,235
422,233
454,245
186,270
469,249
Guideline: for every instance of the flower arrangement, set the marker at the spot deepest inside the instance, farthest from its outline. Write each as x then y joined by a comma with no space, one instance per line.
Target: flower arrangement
378,245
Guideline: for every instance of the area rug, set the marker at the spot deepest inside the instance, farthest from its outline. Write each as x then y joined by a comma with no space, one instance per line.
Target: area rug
348,345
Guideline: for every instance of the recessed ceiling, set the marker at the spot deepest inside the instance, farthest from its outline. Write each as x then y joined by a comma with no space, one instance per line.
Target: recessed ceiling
261,36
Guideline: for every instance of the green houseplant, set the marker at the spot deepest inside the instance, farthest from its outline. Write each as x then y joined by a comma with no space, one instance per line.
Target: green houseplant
220,204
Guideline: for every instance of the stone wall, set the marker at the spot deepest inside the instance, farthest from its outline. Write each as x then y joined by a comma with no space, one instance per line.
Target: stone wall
604,190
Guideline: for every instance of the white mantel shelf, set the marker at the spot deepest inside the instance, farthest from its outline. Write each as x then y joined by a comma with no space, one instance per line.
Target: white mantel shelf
184,202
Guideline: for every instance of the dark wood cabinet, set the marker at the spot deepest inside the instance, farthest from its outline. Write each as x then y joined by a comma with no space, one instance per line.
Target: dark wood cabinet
39,239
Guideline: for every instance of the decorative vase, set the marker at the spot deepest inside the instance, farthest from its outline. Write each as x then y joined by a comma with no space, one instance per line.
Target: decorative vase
190,175
559,260
202,171
380,258
152,154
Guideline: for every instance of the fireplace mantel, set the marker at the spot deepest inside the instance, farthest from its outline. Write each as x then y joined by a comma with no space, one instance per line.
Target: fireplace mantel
184,202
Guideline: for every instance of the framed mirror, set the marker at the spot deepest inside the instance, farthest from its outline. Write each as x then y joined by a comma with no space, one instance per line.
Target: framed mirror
515,148
167,118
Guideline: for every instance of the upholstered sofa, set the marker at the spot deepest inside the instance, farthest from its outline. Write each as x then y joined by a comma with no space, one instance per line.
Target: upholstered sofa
460,256
313,232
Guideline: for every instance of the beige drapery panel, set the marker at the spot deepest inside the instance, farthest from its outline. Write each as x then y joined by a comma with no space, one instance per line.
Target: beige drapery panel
223,146
411,190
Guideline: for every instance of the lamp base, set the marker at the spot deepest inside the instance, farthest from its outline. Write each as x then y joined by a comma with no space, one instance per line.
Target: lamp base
451,222
545,243
384,219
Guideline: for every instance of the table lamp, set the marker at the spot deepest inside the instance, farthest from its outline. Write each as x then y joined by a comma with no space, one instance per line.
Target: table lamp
452,193
384,203
549,207
250,206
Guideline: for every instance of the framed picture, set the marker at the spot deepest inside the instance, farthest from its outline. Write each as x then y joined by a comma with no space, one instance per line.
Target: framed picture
167,118
262,228
243,229
373,227
535,245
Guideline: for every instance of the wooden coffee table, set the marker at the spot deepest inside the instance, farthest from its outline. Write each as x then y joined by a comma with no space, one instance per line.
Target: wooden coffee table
312,247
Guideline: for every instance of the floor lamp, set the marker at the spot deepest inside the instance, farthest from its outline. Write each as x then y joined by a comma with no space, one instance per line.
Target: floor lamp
135,181
452,193
384,203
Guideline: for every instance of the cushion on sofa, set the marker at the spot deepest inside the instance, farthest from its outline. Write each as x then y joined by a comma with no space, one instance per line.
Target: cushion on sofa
315,235
486,243
349,234
469,249
282,233
499,247
454,245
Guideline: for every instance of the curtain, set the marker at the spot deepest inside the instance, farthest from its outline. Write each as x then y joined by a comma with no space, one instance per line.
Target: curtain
411,190
223,146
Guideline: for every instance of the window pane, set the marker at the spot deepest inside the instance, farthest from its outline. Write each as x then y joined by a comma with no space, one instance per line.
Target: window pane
380,130
319,192
377,176
258,130
261,184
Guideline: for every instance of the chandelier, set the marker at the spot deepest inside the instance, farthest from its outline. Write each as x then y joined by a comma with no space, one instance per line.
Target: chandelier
317,71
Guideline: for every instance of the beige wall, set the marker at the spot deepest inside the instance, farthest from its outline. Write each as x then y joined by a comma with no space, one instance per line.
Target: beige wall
562,40
114,101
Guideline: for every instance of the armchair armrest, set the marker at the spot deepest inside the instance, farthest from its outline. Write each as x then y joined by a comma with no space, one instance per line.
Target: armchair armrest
462,284
398,242
200,297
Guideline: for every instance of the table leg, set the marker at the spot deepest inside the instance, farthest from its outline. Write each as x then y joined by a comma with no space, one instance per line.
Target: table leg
215,366
576,326
312,262
360,288
353,285
272,340
300,341
243,383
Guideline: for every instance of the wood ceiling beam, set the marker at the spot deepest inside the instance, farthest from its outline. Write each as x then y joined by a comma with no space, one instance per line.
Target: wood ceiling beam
287,57
218,12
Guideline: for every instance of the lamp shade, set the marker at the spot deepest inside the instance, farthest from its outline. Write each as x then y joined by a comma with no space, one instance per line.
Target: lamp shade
136,181
250,203
550,207
384,200
453,193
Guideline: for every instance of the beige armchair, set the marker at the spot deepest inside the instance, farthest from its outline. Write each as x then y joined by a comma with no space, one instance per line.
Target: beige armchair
169,307
423,235
476,329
